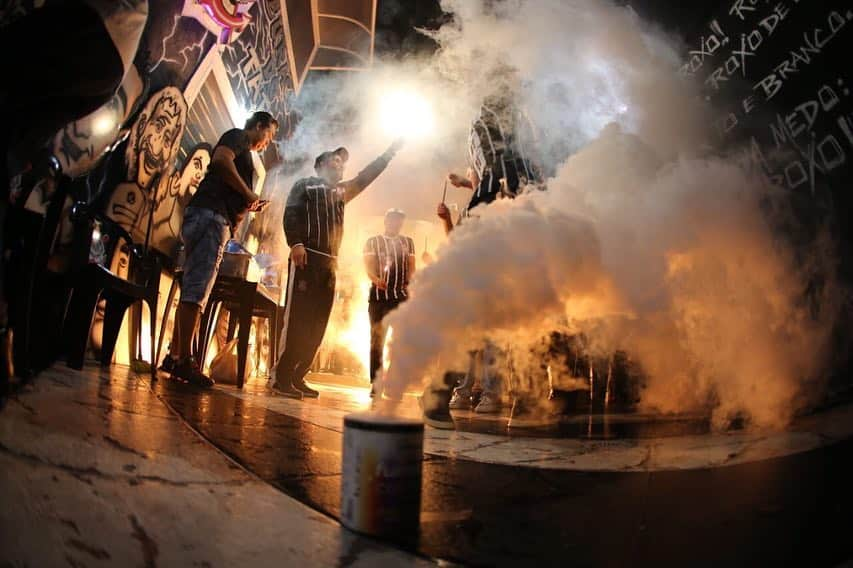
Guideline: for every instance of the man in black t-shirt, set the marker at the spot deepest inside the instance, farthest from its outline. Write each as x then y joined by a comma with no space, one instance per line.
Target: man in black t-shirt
223,198
390,262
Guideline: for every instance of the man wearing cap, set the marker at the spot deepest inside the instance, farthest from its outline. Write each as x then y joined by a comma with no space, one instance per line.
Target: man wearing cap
390,262
314,226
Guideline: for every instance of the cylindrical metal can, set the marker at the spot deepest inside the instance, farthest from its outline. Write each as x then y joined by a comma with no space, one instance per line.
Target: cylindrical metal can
381,486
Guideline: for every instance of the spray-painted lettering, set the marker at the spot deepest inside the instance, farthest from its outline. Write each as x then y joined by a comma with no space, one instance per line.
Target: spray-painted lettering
814,153
708,46
741,8
749,45
814,42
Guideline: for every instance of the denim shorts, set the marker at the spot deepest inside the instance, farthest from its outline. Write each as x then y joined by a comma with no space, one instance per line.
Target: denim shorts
204,233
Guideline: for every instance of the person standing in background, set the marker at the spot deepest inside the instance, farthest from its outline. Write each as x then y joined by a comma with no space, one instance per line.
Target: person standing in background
390,262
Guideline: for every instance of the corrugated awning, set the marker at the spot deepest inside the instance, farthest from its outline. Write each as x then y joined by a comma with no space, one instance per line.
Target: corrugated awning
329,35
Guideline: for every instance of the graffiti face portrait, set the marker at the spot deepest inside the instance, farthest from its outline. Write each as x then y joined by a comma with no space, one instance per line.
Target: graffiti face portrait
174,195
157,136
151,151
194,170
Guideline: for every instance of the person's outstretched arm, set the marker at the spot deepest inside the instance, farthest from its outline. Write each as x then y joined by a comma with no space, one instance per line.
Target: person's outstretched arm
459,181
352,187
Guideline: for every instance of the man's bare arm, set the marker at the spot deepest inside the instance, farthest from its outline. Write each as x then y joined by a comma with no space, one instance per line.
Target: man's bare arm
411,267
371,264
459,181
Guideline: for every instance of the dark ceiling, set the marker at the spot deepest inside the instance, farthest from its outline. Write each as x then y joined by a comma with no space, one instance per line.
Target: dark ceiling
397,21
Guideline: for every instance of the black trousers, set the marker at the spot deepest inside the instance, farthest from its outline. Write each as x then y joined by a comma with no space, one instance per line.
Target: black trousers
378,311
310,295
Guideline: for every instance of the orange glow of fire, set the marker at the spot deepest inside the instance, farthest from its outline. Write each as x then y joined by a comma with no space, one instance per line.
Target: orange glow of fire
351,331
386,350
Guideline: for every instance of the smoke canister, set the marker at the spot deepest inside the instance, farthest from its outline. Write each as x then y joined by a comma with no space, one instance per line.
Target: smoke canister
381,486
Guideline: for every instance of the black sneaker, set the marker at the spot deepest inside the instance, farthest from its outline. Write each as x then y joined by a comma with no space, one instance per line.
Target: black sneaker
286,389
188,371
307,392
436,405
168,365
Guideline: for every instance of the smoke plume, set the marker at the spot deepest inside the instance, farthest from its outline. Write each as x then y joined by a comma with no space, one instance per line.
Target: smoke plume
644,241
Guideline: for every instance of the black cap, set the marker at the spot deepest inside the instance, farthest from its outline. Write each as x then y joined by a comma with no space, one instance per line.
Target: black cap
342,152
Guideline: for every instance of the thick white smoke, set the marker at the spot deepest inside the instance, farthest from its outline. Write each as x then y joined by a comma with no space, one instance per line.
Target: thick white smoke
642,241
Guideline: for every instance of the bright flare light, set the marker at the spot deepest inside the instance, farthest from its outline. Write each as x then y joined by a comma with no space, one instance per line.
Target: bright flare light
406,113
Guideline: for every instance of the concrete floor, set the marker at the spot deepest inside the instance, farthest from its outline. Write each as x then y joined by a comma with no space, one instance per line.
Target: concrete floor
95,470
98,468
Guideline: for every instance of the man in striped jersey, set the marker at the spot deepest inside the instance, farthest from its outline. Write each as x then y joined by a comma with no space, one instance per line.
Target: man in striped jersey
390,262
500,165
499,145
314,226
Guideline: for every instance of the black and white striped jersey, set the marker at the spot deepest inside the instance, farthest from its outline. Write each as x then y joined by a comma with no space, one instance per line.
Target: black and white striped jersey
391,255
500,142
314,214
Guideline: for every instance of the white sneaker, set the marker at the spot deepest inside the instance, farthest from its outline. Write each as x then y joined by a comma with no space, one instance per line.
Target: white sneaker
489,404
460,402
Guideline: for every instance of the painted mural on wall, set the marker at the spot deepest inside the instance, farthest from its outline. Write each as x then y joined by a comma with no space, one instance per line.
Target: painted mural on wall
779,73
226,19
174,194
81,143
152,148
175,44
257,64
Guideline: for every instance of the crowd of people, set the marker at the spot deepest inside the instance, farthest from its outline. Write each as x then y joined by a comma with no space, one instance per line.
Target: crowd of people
313,224
313,227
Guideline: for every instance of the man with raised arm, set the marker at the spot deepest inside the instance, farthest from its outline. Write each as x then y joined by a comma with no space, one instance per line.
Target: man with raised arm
314,226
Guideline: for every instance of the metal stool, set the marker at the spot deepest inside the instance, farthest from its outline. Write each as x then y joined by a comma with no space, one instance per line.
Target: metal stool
245,300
